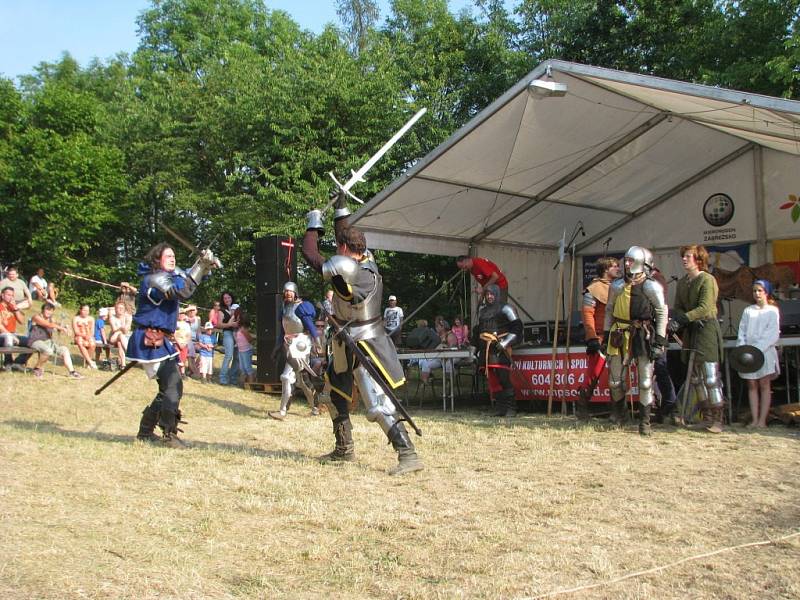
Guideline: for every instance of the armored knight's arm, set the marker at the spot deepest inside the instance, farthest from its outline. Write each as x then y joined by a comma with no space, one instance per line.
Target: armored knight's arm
169,286
655,295
315,228
514,334
180,285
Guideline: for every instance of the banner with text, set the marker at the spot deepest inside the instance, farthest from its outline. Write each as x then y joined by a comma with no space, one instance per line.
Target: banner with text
532,378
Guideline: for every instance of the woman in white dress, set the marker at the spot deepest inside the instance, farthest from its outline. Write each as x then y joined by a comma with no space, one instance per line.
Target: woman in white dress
760,327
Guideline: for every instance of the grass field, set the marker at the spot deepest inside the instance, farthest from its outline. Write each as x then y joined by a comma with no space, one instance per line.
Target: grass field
505,508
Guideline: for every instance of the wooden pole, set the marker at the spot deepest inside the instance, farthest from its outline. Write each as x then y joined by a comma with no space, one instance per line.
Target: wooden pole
559,292
568,317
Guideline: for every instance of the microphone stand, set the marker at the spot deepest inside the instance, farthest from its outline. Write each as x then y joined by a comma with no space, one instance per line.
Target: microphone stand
605,247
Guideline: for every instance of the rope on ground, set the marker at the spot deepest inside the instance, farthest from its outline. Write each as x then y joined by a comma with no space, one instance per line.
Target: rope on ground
662,567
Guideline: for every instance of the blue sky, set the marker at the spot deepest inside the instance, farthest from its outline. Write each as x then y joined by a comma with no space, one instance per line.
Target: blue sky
32,31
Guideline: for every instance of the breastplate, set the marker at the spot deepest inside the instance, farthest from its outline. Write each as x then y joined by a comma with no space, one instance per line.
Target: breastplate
291,322
366,316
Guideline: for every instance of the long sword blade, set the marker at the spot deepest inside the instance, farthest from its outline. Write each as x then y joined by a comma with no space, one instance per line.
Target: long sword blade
184,242
359,175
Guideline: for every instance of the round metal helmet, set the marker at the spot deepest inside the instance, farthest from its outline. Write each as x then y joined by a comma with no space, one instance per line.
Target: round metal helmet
292,287
638,260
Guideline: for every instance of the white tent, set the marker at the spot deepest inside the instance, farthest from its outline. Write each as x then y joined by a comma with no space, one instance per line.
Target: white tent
640,159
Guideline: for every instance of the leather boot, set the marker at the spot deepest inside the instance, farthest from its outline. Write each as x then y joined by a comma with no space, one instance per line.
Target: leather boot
717,420
147,425
500,407
169,427
344,450
644,419
510,404
582,406
619,413
706,422
408,461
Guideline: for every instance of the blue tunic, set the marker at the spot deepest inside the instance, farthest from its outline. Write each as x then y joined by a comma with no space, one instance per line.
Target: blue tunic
155,309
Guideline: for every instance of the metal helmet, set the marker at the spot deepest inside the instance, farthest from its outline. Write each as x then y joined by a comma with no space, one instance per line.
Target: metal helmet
640,259
292,287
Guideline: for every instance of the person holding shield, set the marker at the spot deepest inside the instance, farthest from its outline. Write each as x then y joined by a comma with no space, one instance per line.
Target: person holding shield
760,327
298,331
694,317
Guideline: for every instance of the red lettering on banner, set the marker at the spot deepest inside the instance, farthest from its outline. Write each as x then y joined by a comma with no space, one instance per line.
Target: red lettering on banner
532,375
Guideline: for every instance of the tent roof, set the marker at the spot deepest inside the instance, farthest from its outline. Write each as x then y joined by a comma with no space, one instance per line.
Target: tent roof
530,166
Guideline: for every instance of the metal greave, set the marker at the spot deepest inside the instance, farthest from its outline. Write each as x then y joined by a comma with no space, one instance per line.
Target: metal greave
380,409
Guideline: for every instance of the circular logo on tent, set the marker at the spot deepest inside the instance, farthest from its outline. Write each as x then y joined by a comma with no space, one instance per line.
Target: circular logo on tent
718,210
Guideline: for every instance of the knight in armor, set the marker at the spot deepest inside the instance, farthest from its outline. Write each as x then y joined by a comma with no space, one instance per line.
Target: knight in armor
499,329
163,286
593,313
298,333
358,291
636,326
694,318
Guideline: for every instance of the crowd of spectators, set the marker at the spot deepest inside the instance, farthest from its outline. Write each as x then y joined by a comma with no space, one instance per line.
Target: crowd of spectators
101,340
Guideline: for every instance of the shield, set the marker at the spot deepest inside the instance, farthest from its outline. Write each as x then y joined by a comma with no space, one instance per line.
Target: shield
746,359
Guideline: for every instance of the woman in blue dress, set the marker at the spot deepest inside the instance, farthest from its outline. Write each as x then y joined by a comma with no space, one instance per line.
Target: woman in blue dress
163,286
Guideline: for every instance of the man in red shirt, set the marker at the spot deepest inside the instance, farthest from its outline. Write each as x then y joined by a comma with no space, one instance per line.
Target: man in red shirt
10,315
485,273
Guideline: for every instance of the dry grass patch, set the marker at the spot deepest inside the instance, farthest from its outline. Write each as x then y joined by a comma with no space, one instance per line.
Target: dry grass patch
505,509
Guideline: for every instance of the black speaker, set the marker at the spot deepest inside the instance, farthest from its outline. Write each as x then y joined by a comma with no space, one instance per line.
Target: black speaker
276,263
268,307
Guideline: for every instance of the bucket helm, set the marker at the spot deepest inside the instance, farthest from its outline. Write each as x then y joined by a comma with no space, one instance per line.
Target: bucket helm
638,260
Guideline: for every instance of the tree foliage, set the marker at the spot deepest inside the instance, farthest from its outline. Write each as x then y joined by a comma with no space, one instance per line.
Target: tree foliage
228,116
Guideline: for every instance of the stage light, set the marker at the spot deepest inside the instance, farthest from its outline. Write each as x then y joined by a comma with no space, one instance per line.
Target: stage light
547,88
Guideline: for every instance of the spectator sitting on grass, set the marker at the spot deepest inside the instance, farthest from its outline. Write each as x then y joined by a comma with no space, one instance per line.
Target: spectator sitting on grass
121,322
22,295
37,286
83,329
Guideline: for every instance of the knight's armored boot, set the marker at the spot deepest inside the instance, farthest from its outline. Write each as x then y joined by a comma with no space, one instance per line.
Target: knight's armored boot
408,461
644,419
147,425
344,450
717,420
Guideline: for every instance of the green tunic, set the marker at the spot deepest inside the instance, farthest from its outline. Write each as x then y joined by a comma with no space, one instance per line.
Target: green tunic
698,299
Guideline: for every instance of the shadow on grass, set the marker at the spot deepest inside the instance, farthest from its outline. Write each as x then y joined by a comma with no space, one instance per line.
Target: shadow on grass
53,428
236,408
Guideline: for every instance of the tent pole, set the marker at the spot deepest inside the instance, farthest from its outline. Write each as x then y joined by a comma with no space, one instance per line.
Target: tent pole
761,219
568,318
559,292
